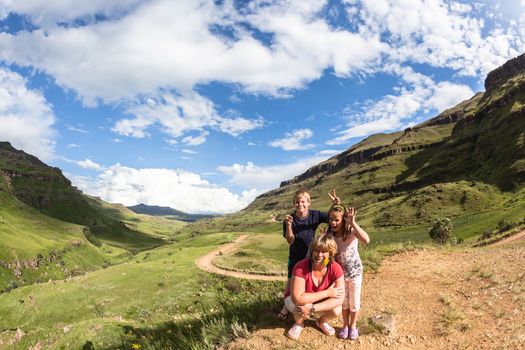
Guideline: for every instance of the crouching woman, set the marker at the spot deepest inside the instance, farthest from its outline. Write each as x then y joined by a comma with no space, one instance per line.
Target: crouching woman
317,286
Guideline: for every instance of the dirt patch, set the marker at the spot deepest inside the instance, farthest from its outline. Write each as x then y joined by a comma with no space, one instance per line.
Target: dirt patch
472,299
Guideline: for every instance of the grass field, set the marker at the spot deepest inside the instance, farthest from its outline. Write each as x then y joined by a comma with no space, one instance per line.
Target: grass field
160,292
262,253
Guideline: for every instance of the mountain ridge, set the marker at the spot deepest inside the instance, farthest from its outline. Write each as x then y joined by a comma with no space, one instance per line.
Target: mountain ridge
168,212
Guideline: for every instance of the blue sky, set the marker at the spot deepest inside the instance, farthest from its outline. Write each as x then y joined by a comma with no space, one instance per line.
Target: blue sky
203,105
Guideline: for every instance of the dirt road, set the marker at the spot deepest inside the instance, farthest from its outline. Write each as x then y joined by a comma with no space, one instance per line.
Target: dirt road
205,263
512,238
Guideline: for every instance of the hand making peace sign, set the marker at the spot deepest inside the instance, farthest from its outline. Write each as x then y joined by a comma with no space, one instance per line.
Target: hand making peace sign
334,198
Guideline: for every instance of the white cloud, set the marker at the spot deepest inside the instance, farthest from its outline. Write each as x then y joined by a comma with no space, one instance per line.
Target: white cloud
447,95
236,126
164,44
26,118
266,177
77,129
179,114
43,14
89,164
292,141
140,48
72,145
189,151
86,164
175,188
195,140
440,33
329,152
417,94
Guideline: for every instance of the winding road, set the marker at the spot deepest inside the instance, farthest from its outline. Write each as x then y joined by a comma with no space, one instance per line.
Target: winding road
205,263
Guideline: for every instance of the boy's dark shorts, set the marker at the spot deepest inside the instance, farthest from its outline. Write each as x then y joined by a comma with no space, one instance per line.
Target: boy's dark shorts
291,264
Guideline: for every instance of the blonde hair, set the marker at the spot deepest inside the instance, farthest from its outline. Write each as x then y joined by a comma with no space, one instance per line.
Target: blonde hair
324,242
339,208
302,193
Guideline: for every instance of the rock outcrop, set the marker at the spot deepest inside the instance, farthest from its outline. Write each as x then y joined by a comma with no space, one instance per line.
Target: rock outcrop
510,69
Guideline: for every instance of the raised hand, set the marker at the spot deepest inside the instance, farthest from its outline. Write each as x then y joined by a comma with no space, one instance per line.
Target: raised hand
350,215
334,198
288,219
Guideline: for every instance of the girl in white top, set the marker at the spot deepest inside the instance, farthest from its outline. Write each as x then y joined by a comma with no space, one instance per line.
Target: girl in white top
347,234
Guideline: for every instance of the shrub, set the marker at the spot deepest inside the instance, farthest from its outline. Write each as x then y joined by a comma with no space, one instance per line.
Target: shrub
90,237
485,235
504,225
440,232
456,240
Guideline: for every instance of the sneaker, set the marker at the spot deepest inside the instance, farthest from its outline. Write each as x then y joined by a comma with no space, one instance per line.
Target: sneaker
294,332
353,334
343,333
325,327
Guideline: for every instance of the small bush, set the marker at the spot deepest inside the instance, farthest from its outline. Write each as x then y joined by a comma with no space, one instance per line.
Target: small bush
441,231
504,225
100,309
233,285
240,329
487,234
456,240
90,237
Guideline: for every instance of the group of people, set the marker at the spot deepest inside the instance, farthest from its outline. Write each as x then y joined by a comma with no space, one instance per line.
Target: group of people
325,272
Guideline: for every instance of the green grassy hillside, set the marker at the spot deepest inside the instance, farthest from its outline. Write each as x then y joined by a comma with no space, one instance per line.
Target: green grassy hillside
37,248
47,190
467,163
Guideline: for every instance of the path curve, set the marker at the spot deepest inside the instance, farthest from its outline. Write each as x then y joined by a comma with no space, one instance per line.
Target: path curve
205,263
512,238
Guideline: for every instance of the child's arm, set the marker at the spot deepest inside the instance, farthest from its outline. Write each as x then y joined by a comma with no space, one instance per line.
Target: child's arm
288,232
359,232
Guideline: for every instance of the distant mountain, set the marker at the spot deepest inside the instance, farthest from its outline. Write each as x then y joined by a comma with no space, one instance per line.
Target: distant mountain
467,163
168,212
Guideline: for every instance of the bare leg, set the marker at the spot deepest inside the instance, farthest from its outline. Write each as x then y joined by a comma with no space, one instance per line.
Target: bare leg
299,319
346,317
284,311
353,318
328,315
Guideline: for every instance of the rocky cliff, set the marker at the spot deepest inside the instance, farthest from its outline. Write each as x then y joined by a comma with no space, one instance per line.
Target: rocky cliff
500,75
